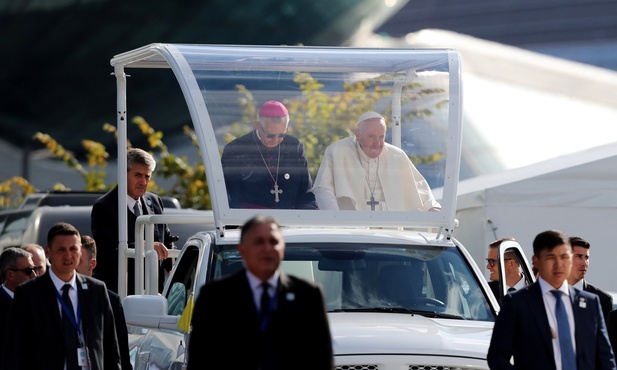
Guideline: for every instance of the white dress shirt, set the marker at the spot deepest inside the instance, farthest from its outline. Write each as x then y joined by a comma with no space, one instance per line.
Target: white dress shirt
549,306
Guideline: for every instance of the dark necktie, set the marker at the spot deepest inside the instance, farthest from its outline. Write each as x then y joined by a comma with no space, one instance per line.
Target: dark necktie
71,342
264,308
136,209
568,359
266,362
510,290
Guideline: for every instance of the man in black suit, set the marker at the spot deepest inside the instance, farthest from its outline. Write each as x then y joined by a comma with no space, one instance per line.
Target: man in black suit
38,257
104,223
86,265
549,324
71,312
580,264
16,267
267,168
514,277
260,317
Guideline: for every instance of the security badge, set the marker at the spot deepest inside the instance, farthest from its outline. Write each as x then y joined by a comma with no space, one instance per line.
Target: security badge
82,360
582,302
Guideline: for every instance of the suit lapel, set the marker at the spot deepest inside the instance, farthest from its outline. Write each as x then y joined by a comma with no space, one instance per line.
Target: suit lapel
242,281
285,293
85,300
581,318
5,297
149,204
49,294
536,307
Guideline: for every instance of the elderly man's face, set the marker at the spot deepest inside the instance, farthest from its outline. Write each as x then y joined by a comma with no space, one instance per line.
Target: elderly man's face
371,135
137,180
272,130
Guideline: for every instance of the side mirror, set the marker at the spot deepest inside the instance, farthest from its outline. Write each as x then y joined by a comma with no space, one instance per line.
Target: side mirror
144,310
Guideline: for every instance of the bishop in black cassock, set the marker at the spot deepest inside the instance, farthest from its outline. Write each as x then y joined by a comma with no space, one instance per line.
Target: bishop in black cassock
268,176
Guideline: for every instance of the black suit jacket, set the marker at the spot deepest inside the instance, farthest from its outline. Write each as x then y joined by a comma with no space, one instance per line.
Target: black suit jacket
606,300
522,330
249,183
5,305
104,226
121,329
611,327
494,285
36,331
225,326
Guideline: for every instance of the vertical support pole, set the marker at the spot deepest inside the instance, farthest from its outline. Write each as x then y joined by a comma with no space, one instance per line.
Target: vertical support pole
122,191
396,113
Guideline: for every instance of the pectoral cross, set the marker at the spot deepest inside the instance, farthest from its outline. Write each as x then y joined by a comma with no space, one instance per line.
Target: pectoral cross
372,203
276,191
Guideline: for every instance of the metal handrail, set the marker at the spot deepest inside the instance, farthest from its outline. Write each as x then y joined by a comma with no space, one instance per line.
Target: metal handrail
146,258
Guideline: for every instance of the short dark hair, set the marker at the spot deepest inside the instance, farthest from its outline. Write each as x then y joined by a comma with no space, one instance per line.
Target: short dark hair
88,244
577,241
547,240
61,228
255,221
10,257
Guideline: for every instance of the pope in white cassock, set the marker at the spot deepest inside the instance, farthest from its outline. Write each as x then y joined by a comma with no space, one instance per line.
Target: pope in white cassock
363,172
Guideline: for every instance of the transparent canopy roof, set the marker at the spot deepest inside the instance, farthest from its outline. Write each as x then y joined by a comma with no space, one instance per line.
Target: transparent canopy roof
320,166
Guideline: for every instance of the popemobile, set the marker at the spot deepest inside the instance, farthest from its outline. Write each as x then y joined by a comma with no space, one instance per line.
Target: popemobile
356,152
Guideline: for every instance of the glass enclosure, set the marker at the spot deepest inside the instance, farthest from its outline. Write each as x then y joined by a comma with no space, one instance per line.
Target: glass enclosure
430,281
307,157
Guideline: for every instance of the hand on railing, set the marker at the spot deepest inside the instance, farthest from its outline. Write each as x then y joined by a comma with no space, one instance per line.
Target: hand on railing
161,250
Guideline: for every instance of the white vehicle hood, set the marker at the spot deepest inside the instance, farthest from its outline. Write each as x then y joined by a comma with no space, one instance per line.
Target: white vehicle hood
407,334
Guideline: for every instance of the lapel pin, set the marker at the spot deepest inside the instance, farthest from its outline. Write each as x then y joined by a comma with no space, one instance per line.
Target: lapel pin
290,296
582,302
148,202
84,286
287,176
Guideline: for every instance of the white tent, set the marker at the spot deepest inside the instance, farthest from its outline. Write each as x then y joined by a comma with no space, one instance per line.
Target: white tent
521,107
575,193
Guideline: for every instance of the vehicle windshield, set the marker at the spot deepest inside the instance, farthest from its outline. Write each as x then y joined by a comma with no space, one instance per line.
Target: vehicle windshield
434,282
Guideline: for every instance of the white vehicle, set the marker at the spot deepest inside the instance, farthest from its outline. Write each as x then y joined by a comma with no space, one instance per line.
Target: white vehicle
401,292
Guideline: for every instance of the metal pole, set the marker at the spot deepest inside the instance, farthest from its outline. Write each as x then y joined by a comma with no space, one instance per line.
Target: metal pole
122,207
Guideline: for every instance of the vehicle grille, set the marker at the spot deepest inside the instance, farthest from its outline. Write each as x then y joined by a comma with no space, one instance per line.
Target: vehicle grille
411,367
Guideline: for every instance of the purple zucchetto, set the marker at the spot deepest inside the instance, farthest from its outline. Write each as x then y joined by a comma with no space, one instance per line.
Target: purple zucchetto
272,108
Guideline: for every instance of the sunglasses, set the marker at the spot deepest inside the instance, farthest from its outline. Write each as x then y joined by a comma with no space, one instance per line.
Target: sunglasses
272,136
28,270
491,261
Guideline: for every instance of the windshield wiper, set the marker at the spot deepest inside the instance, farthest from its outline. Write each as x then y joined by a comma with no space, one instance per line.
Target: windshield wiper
402,310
